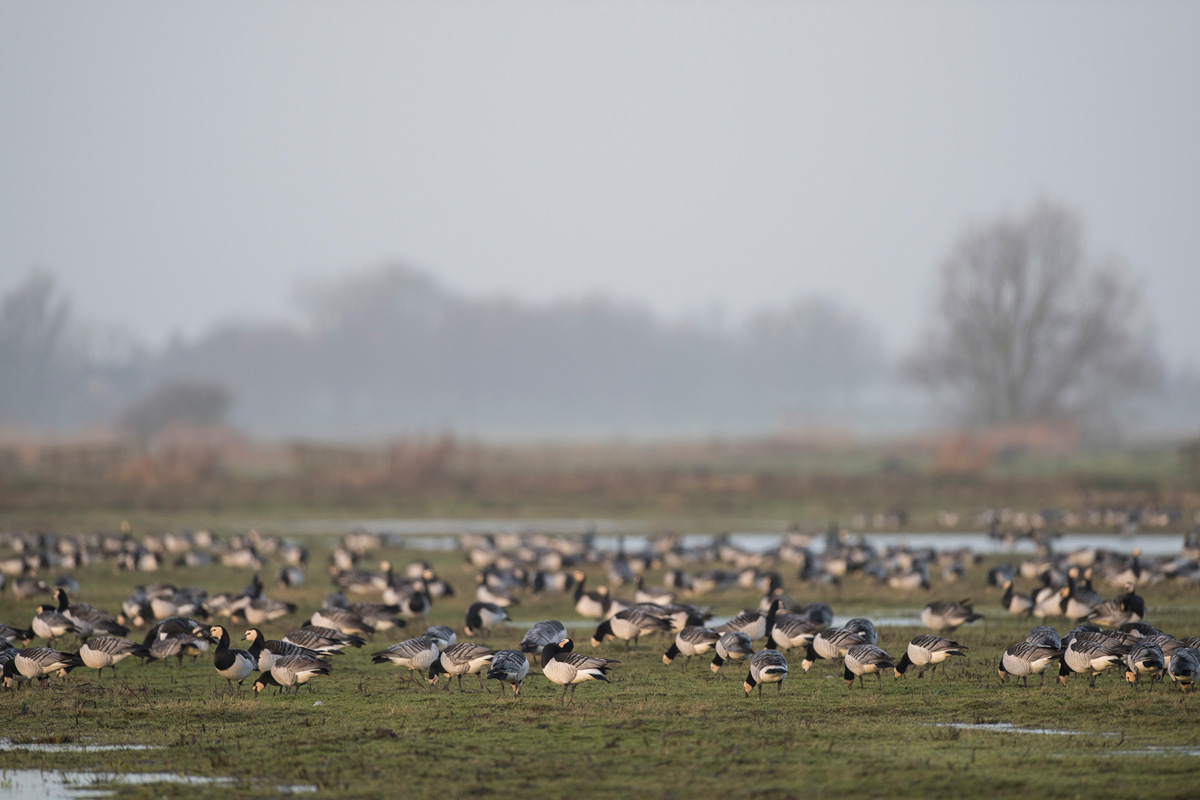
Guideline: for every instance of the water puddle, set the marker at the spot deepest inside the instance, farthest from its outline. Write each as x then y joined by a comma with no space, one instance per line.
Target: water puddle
1008,727
1155,750
39,747
36,784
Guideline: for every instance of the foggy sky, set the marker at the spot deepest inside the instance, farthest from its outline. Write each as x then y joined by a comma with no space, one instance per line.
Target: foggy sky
178,164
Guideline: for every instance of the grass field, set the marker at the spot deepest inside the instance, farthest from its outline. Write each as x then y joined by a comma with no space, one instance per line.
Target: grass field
655,731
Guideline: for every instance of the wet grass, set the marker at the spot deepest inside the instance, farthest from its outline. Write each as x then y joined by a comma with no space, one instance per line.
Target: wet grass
655,731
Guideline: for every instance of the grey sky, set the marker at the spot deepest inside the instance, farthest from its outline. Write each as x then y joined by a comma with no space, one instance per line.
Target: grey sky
176,164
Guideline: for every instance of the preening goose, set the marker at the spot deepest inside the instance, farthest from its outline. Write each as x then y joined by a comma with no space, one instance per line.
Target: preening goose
567,668
767,666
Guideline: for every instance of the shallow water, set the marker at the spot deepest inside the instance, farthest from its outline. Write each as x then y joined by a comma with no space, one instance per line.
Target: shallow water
36,784
1008,727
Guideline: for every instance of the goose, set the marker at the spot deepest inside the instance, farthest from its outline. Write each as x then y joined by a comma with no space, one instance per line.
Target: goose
289,575
767,666
1128,607
785,631
864,627
831,643
13,634
927,650
1015,603
1078,598
51,625
566,668
483,617
652,594
380,616
865,659
264,651
260,610
435,587
341,620
461,659
177,637
629,625
322,639
37,663
231,664
946,616
1146,658
492,594
694,640
1045,636
732,646
444,635
593,605
88,620
290,672
541,634
417,654
108,651
511,667
1024,659
752,622
1088,656
1184,667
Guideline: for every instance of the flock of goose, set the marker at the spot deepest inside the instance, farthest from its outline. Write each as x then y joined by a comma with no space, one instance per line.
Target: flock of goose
1110,632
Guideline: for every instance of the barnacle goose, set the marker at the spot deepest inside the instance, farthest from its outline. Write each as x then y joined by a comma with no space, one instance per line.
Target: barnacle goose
51,625
945,616
927,650
694,640
511,667
37,663
566,668
108,651
832,643
865,659
291,672
231,664
417,654
322,639
767,666
264,651
464,658
1026,658
1146,658
443,635
1184,668
629,625
732,646
541,634
483,617
87,619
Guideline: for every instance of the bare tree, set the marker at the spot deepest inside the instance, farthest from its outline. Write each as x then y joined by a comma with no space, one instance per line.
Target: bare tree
1028,327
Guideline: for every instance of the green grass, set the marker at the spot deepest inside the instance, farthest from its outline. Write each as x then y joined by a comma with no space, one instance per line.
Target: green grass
655,731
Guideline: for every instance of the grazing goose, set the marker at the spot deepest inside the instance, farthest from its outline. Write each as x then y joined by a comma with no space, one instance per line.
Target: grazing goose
1128,607
767,666
1184,668
511,667
37,663
927,650
483,617
785,631
946,616
231,663
443,635
108,651
1077,600
865,659
494,595
1015,603
461,659
51,625
1024,659
264,651
322,639
652,594
1146,658
629,625
417,654
13,634
1090,657
831,643
291,672
380,616
1045,636
541,634
751,622
87,619
567,668
864,628
732,646
694,640
339,619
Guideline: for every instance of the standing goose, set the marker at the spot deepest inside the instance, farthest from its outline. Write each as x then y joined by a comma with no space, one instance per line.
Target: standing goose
461,659
629,625
231,664
37,663
511,667
567,668
751,622
322,639
108,651
927,650
732,646
51,625
1184,668
1090,657
832,643
417,654
541,634
87,619
865,659
767,666
593,605
1146,658
291,672
442,635
1015,603
264,651
1026,658
483,617
694,640
946,616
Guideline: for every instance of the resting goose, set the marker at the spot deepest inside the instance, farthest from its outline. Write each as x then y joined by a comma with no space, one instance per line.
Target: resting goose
108,651
694,640
464,658
541,634
927,650
767,666
511,667
865,659
417,654
567,668
231,664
